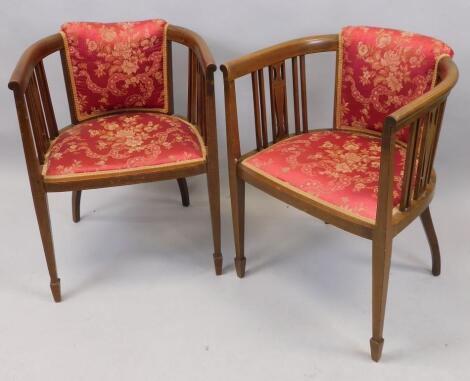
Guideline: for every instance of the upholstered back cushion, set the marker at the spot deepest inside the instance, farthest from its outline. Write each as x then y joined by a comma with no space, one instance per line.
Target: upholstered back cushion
381,70
115,66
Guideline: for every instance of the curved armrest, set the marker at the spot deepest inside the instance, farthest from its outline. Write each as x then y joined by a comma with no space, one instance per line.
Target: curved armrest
30,58
449,74
273,58
254,61
196,43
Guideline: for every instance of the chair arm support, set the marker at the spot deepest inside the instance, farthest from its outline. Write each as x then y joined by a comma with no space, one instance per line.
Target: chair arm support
206,62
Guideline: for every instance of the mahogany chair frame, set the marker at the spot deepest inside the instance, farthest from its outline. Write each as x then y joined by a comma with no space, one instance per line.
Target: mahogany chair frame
423,116
38,128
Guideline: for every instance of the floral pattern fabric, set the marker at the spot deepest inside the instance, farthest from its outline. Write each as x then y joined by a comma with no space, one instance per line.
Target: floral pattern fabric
123,142
116,66
382,70
337,168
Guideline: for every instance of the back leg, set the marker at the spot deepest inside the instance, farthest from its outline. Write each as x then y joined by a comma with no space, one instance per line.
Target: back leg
183,185
432,239
76,196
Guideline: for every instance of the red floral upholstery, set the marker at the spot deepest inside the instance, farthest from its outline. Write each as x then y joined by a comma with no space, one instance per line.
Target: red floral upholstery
337,168
123,142
381,70
116,66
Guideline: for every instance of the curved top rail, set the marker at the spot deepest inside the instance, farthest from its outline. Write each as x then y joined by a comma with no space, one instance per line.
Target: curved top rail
30,58
254,61
195,42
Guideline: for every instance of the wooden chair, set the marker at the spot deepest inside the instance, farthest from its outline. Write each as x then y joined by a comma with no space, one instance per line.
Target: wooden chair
119,83
372,173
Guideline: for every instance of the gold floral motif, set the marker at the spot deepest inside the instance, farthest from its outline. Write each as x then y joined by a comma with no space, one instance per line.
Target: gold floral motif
381,70
337,168
123,142
116,66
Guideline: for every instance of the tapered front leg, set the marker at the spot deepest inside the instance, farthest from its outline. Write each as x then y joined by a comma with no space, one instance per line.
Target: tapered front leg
381,258
44,222
237,196
432,239
76,197
237,185
213,187
183,186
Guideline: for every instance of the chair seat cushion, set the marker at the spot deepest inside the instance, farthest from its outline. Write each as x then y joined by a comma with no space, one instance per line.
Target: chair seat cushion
337,168
123,142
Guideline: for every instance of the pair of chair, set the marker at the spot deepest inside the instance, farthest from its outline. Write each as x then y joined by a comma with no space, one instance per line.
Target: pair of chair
371,174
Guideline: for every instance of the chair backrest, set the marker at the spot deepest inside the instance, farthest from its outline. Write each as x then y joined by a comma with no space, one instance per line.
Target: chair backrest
381,70
114,66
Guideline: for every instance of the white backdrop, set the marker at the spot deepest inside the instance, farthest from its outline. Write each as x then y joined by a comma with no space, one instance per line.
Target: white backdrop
143,302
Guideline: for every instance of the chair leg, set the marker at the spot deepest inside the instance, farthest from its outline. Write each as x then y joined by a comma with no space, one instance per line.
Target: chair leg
381,257
213,188
237,196
76,196
183,185
44,222
432,239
